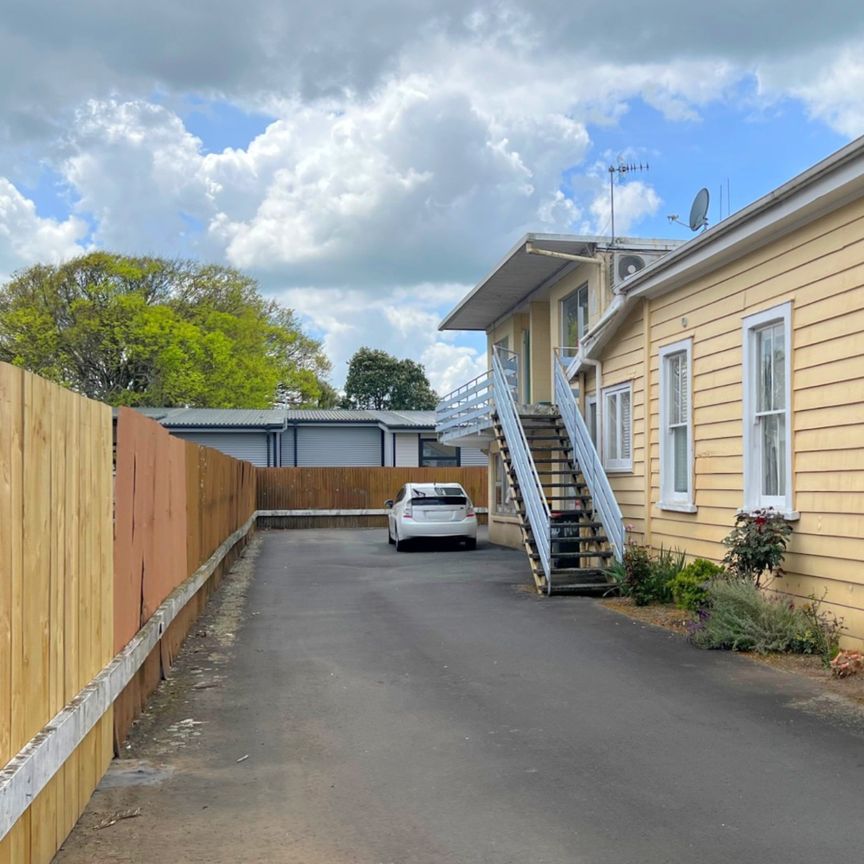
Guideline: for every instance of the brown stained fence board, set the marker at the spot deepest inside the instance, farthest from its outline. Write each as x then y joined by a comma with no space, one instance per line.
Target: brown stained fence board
125,581
355,488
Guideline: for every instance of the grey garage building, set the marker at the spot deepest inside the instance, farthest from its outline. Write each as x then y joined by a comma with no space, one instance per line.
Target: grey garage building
318,437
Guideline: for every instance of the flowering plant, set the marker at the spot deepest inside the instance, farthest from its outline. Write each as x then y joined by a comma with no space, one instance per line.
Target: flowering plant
757,544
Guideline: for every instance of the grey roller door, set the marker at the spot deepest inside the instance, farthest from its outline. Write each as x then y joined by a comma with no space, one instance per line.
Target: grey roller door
251,446
473,456
336,446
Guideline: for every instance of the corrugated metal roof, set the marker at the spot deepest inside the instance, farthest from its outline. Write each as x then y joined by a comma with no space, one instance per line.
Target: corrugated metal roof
329,415
221,418
243,418
407,419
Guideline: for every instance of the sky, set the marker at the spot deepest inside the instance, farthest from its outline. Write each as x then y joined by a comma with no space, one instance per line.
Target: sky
370,162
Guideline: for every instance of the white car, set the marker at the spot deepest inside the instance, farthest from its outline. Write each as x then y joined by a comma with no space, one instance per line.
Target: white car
431,510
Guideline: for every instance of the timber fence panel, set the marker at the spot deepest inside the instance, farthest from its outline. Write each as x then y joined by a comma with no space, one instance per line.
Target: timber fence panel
101,578
56,615
356,488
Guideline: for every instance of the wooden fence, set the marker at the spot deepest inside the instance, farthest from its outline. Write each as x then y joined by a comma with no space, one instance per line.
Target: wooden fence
56,612
93,613
355,488
175,503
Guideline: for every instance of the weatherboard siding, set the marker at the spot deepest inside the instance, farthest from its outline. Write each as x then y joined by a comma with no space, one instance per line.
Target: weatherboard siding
622,364
820,270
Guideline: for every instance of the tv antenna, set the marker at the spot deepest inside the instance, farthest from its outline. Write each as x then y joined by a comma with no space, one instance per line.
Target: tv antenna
620,170
698,212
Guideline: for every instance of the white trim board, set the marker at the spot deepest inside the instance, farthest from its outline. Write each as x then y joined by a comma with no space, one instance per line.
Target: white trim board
30,771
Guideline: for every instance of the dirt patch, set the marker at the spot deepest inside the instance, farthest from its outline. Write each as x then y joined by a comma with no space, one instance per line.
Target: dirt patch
163,742
667,616
676,620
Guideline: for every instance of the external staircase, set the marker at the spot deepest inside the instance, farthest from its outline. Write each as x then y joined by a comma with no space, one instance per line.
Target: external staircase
579,548
571,524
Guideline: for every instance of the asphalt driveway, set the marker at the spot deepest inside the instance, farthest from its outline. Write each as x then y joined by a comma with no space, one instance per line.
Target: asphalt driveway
354,704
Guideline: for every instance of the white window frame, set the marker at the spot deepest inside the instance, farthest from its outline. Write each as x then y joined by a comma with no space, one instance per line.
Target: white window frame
591,400
669,498
580,325
753,497
507,507
617,465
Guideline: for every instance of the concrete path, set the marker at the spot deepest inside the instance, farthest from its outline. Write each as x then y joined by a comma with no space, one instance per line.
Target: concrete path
420,707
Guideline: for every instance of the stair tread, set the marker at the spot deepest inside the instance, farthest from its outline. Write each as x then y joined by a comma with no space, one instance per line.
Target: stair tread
604,553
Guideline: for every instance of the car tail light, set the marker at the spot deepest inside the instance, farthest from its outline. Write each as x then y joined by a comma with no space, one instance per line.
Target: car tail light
408,513
470,511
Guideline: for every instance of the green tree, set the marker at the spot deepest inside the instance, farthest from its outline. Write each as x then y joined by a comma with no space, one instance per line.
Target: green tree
379,380
146,331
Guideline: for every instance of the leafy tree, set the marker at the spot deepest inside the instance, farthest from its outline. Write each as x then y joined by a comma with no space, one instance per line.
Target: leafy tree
379,380
146,331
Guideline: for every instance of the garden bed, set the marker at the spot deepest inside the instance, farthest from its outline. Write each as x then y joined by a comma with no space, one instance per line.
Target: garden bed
675,620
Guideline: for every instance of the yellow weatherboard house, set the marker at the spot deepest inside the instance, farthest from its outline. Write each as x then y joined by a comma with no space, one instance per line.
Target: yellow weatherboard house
652,391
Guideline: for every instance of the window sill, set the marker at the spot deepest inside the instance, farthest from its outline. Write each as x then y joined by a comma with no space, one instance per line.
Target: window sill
627,470
789,515
678,508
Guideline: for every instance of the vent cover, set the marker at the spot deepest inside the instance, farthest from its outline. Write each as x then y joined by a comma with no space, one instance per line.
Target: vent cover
625,264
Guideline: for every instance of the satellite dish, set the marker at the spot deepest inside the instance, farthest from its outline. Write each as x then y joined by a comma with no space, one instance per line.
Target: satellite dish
699,210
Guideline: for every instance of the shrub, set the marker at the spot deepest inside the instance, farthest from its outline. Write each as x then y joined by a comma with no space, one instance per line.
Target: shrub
690,586
757,545
646,579
617,572
740,617
667,565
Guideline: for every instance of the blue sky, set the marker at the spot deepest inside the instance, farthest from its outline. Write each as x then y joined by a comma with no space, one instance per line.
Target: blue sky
367,177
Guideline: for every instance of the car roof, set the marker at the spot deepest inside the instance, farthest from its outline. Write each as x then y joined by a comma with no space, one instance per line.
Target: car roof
435,485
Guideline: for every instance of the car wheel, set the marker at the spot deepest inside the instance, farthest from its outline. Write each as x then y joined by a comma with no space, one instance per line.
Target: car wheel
471,543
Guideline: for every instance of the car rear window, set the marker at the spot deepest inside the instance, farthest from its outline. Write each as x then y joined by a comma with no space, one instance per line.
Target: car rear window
440,495
433,500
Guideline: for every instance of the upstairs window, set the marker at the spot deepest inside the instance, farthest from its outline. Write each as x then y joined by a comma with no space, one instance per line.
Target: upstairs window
767,418
676,439
617,428
574,317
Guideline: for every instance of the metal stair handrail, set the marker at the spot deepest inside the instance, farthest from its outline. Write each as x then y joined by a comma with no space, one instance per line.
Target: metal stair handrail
605,503
533,497
466,410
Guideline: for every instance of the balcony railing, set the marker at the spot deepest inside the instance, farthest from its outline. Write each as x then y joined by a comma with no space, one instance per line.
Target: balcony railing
466,411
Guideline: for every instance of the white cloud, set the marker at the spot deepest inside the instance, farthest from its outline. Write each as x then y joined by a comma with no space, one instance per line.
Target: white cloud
27,238
829,83
633,201
450,366
402,322
136,171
